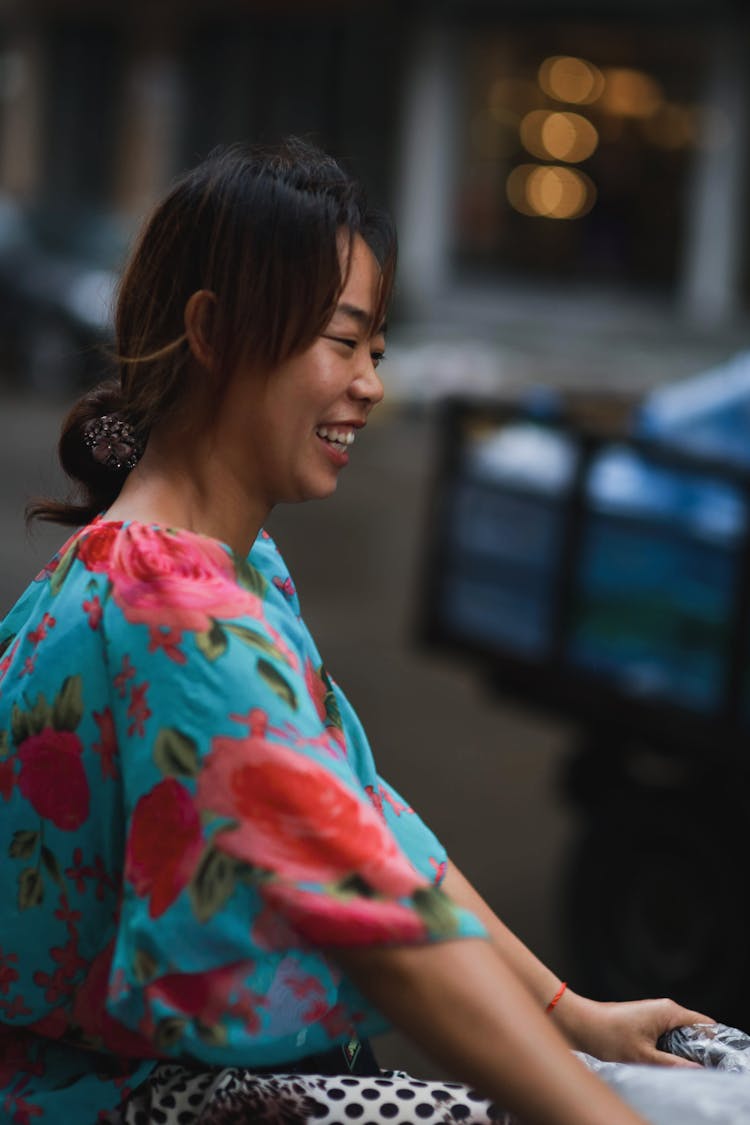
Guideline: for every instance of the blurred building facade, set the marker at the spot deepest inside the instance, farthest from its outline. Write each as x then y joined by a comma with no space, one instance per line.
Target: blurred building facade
539,145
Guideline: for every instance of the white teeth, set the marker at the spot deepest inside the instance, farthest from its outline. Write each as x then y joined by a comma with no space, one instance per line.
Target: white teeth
340,437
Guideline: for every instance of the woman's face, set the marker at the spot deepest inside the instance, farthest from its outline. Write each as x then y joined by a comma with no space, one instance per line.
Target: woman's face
289,435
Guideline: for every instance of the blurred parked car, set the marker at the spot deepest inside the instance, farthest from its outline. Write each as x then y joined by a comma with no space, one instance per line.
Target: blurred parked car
58,272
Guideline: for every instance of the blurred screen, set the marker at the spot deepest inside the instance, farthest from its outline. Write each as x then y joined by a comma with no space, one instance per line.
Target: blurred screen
505,526
639,596
656,580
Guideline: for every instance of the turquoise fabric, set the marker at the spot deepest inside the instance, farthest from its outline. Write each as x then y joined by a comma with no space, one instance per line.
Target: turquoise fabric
191,816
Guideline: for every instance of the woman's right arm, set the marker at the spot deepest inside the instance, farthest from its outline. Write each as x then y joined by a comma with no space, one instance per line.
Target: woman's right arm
462,1004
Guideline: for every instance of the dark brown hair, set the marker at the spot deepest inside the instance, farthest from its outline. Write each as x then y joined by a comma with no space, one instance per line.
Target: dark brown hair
259,228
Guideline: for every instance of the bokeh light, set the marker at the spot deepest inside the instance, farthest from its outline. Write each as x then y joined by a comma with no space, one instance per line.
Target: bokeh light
630,93
569,79
552,191
558,135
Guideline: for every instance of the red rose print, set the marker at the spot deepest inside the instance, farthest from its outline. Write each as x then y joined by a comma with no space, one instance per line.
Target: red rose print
91,1016
94,548
53,779
297,818
164,845
180,582
207,996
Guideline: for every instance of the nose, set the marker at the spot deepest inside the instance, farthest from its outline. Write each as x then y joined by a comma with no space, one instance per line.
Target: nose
367,385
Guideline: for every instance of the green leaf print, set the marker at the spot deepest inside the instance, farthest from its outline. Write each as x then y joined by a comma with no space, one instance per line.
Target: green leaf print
212,643
255,640
169,1032
213,883
436,911
176,754
332,709
4,744
40,715
277,683
353,885
215,1036
62,570
52,866
250,578
30,888
23,844
20,726
144,966
68,707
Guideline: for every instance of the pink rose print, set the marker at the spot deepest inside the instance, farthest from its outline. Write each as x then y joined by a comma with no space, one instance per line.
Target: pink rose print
53,779
164,845
175,581
325,920
297,818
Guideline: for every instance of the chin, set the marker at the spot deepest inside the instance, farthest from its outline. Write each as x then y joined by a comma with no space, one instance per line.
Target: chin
318,491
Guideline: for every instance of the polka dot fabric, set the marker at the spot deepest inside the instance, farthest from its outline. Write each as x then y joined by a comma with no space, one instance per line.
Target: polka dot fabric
175,1095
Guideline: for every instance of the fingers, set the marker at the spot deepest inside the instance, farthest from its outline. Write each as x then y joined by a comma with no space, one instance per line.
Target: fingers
677,1016
662,1058
698,1017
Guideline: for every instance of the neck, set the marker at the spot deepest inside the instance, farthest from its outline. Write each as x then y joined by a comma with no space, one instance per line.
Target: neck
177,484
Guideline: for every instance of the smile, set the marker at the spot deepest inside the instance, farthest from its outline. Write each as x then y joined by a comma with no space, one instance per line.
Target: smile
339,439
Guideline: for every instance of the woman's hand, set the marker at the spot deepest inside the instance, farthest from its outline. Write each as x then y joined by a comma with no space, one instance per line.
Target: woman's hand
626,1032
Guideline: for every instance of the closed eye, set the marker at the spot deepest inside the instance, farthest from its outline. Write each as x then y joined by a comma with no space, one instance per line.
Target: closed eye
376,356
342,340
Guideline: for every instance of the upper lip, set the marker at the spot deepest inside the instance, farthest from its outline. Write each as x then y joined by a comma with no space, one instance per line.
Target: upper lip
343,425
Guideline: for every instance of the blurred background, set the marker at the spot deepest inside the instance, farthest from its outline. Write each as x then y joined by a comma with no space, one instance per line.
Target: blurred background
570,185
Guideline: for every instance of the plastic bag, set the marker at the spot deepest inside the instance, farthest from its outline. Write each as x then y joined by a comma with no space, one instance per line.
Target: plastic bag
717,1094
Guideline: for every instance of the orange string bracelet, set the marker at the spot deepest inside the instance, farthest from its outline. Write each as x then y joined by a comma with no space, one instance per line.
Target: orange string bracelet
557,996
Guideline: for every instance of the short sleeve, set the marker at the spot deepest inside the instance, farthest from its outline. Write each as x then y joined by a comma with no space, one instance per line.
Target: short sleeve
252,850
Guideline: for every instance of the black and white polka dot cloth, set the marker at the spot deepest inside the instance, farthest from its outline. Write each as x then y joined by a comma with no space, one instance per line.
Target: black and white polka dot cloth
175,1095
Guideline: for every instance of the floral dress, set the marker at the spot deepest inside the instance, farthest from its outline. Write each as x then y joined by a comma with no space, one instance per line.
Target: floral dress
191,815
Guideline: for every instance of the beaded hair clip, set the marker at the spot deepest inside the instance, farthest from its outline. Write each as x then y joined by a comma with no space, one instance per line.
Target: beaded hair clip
113,442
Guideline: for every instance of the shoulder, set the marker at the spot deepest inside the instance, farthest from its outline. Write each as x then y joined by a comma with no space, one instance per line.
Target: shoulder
265,557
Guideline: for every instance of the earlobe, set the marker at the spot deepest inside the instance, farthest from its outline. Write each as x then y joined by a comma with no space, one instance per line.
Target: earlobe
199,327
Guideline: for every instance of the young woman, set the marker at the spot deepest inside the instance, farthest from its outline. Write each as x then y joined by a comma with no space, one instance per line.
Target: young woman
211,897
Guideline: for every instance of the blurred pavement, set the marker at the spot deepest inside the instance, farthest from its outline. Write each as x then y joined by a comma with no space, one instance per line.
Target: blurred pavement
483,775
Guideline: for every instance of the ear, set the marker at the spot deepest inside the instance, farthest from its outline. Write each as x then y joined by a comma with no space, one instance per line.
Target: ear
199,326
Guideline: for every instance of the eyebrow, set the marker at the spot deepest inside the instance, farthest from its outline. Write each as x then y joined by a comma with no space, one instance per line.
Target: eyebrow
361,316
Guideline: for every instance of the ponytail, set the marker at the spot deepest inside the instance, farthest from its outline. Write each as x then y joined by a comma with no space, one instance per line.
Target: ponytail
96,483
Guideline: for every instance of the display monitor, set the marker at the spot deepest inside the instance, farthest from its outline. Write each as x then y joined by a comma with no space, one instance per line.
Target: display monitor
590,575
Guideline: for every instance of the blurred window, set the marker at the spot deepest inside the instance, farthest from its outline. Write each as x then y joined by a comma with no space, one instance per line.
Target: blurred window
576,151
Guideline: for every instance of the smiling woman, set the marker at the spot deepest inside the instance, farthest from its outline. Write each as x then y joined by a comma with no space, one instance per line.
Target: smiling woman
213,897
